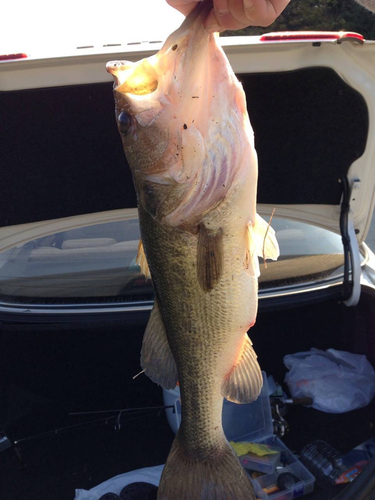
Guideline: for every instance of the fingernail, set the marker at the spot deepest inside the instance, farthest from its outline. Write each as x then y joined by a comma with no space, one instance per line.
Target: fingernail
213,28
222,12
248,4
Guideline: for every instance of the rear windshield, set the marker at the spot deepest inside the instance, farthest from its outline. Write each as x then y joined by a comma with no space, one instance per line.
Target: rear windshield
90,264
62,156
97,263
308,254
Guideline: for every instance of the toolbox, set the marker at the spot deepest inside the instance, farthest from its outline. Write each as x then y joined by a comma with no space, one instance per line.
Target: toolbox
252,423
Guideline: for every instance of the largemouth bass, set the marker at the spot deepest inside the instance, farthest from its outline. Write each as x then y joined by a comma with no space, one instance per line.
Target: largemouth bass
186,134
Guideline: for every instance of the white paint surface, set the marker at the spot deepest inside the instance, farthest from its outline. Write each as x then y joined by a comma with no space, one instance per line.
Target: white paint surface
40,25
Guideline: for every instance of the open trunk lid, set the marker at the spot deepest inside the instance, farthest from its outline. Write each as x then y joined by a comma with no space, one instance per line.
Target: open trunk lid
311,103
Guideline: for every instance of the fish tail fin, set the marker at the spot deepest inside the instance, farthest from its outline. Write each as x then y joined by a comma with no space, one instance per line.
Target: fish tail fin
218,476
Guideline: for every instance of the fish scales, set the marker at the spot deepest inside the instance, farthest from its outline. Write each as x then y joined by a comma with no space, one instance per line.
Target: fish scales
183,121
197,334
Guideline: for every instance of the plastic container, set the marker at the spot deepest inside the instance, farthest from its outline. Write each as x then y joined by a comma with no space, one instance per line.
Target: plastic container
172,398
303,487
324,461
292,465
253,423
266,463
250,422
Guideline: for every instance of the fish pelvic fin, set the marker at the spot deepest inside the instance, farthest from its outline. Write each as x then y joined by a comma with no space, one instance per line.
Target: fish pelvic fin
157,359
219,476
209,258
261,242
244,382
142,261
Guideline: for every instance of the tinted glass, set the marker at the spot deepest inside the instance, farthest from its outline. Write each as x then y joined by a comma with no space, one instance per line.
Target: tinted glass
97,263
90,263
307,253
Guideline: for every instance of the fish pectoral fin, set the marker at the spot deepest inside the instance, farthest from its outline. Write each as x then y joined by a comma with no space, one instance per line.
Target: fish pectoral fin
209,258
142,261
265,238
261,242
244,382
156,356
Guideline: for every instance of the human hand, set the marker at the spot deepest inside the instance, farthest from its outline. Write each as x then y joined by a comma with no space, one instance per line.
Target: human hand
235,14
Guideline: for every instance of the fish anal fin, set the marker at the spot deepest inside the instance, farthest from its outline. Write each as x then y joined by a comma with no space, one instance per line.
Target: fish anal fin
216,476
244,382
209,257
141,260
156,356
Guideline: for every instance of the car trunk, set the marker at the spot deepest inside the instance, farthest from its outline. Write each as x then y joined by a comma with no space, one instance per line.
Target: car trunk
64,143
49,372
63,162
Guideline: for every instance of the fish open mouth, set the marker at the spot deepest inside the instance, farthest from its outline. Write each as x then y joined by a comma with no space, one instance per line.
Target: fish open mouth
142,78
133,78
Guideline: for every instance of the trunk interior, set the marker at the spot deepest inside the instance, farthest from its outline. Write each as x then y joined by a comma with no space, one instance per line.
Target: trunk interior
73,144
48,371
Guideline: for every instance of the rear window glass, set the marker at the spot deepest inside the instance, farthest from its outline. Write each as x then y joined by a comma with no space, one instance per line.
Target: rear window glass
97,263
93,263
307,254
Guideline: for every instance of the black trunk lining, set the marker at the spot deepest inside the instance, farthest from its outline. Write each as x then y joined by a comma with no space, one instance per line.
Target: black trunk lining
61,154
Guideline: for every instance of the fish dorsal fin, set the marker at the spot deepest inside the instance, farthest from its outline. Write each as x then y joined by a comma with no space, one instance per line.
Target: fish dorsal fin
157,359
142,261
209,257
261,242
244,382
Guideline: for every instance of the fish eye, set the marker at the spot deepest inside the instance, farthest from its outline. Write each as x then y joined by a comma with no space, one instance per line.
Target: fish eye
124,122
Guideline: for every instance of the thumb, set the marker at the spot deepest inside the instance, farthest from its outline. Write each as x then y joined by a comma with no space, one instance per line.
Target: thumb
184,6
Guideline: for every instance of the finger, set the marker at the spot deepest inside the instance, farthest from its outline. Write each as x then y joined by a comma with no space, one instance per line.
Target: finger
279,5
234,18
221,22
236,8
212,24
183,6
221,7
263,12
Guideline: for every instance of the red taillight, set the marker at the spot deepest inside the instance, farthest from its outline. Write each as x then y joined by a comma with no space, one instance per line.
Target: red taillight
314,36
11,57
352,34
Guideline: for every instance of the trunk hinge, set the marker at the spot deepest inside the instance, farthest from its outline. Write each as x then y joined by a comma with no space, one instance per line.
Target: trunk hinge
352,261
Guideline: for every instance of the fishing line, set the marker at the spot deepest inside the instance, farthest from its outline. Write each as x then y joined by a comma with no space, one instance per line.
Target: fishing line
99,421
265,237
140,373
121,410
57,431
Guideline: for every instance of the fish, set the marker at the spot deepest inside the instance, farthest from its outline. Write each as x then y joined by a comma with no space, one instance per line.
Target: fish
183,121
